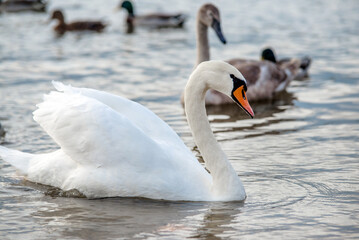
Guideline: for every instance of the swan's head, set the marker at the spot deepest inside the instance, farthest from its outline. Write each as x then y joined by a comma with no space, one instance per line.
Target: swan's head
268,54
57,14
226,79
208,15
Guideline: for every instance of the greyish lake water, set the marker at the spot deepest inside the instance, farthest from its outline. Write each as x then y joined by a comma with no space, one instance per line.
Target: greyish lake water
298,158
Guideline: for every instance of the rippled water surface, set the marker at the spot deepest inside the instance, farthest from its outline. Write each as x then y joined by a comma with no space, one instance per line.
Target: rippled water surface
298,159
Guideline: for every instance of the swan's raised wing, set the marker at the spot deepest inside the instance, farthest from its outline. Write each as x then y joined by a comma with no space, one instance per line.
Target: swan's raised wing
90,131
141,116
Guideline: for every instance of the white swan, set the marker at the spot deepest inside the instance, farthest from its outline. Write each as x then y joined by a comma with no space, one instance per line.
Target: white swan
111,146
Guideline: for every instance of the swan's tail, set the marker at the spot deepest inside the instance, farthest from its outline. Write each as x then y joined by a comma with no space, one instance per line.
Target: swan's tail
19,160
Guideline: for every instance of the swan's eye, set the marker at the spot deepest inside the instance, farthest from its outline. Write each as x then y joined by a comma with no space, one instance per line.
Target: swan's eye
237,82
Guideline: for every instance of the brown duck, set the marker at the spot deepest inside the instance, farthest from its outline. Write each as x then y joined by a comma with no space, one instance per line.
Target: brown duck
62,27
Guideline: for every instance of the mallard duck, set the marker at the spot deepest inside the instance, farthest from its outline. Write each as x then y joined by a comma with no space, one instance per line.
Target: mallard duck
23,5
62,27
269,55
264,78
110,146
2,131
153,20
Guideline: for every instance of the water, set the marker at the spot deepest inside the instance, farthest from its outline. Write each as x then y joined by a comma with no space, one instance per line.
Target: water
298,159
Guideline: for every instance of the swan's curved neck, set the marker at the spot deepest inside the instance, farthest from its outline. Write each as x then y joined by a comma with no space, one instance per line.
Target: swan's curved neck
225,180
202,43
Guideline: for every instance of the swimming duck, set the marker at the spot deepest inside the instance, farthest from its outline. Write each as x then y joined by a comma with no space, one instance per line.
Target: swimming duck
269,55
153,20
108,150
23,5
264,78
62,27
2,131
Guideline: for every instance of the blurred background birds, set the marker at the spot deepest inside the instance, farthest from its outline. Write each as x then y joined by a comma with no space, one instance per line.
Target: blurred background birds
23,5
83,25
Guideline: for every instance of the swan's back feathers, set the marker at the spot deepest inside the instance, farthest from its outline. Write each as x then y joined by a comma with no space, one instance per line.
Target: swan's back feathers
79,125
141,116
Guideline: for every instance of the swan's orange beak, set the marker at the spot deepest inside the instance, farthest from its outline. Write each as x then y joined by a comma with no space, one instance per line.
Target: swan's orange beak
240,97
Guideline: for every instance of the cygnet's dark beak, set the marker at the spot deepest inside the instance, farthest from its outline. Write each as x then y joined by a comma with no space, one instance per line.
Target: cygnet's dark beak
216,25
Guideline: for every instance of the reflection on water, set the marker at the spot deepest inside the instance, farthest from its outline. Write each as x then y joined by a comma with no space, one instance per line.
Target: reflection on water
217,220
298,158
263,109
78,218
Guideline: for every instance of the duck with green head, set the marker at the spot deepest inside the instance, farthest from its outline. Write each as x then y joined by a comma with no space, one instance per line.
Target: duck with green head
152,20
269,55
